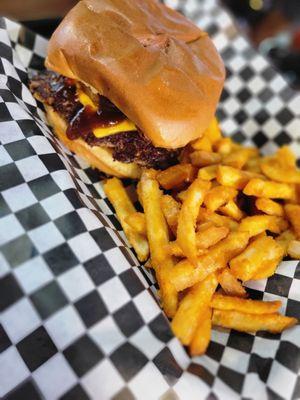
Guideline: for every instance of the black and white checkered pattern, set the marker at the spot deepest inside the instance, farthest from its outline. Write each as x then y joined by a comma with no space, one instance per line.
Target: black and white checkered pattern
78,317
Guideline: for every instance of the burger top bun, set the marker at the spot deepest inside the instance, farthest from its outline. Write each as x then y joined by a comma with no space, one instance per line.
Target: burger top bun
156,66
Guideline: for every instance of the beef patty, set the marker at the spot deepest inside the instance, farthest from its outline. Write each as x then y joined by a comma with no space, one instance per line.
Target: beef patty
59,92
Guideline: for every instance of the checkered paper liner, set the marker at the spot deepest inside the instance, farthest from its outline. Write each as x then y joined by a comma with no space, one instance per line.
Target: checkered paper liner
79,319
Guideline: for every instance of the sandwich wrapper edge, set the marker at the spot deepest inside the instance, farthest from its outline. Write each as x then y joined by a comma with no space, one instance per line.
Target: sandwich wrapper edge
92,325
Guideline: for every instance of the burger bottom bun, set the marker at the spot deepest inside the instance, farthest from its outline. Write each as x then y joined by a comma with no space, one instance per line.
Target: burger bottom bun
98,157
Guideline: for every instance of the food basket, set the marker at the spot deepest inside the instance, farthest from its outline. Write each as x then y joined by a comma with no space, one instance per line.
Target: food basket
79,314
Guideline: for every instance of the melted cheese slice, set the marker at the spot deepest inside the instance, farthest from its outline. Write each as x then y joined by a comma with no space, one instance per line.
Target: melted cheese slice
123,126
85,100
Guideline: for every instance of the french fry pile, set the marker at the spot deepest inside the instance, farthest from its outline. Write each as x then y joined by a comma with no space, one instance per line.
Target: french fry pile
224,215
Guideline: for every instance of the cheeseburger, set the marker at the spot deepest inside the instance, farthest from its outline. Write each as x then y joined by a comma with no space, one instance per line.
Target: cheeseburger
129,84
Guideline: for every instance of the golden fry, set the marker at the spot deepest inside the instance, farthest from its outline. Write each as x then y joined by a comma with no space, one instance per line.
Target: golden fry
185,274
204,225
230,284
286,156
208,173
224,146
170,208
232,210
174,249
186,233
158,236
269,189
234,177
218,220
151,173
138,192
123,206
210,236
263,253
281,167
213,132
265,273
201,158
176,175
239,157
242,322
181,195
269,207
219,196
202,143
273,170
204,239
201,338
293,214
296,200
294,249
137,222
259,223
157,230
253,165
249,306
192,307
284,240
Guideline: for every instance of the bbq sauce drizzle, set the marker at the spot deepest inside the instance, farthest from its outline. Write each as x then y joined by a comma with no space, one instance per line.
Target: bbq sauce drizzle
87,119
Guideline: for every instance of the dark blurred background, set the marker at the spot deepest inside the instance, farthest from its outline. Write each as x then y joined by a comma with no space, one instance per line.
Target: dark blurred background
273,26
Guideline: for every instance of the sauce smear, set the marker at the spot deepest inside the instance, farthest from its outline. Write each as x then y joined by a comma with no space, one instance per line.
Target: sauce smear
87,119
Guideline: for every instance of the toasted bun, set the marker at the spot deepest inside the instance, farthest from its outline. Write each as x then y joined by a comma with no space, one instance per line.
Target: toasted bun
156,66
98,157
